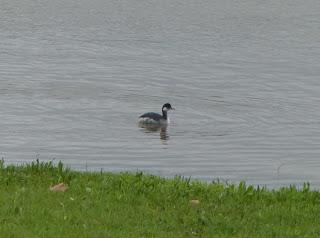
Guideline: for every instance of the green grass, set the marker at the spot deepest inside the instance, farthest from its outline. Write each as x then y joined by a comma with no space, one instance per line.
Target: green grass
139,205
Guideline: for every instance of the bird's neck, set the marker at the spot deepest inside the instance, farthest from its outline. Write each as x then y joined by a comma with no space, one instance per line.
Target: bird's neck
164,114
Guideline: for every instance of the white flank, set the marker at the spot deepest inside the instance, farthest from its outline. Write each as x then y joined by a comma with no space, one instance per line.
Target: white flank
147,120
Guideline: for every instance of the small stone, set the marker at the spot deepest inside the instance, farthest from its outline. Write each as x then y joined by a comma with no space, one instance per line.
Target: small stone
194,203
61,187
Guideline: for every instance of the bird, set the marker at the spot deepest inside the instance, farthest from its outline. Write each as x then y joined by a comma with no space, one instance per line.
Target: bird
152,118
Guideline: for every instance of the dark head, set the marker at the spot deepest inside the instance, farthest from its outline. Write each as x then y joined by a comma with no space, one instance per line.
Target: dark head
166,107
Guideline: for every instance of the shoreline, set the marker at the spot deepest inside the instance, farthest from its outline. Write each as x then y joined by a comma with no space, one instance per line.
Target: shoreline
103,204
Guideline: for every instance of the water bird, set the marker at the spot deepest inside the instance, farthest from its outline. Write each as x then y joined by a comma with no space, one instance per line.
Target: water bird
152,118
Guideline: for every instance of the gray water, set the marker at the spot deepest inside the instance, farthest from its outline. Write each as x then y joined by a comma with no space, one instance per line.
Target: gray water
242,75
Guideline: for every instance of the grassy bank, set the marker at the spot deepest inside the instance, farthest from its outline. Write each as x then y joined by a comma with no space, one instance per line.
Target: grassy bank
138,205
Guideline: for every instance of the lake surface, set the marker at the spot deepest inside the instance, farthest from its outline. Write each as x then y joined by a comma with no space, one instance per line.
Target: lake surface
242,75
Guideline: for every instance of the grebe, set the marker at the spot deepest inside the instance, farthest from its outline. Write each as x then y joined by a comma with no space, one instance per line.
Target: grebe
155,118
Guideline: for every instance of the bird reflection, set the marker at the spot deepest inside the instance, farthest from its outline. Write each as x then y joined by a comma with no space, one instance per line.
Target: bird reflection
151,128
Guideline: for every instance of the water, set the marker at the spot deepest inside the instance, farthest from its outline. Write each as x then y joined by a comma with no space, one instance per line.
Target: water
242,75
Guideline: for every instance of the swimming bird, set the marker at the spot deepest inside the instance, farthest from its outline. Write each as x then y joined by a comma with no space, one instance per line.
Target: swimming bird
155,118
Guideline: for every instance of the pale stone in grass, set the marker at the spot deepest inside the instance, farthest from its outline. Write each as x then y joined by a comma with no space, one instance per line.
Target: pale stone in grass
194,203
61,187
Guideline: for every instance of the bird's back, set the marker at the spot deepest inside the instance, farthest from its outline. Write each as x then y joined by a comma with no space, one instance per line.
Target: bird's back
152,116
